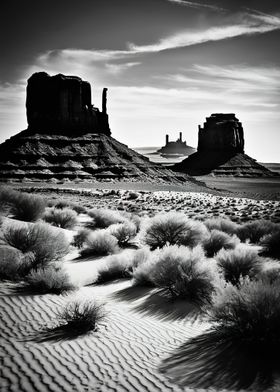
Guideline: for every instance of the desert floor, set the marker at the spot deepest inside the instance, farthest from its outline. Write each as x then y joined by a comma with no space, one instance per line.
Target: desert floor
141,327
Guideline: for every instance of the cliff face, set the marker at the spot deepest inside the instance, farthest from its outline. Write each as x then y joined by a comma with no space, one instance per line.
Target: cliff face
62,104
220,151
221,132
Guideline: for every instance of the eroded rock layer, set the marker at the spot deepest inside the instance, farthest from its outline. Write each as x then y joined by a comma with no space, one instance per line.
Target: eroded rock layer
86,157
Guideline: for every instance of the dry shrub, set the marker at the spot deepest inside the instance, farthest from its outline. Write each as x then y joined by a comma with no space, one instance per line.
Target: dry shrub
218,240
100,243
254,231
73,206
64,218
144,260
103,218
22,206
194,234
79,239
122,265
249,314
222,224
165,229
44,242
238,263
50,279
12,263
271,245
184,274
124,232
81,316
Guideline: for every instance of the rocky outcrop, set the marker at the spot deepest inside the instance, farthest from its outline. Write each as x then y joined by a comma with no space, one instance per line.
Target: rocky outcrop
62,104
221,132
68,139
220,151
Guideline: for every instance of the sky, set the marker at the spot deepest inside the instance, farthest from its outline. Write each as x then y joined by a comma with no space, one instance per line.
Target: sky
167,64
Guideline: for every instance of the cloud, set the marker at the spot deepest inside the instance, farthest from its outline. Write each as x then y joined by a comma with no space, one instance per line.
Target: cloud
192,4
253,23
119,68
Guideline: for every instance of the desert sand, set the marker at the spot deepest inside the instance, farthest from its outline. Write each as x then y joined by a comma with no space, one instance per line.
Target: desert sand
141,328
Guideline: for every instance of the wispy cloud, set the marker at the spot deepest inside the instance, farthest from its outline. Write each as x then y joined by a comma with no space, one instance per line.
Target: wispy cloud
119,68
250,24
193,4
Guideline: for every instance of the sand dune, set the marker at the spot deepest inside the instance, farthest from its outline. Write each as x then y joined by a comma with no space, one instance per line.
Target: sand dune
123,355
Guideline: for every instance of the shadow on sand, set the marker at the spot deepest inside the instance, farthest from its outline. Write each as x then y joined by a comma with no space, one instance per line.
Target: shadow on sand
211,361
56,334
158,303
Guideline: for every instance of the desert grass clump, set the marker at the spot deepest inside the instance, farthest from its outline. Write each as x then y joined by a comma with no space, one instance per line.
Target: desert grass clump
164,229
44,242
80,317
22,206
238,263
80,238
124,232
222,224
249,314
218,240
100,243
73,206
12,263
184,274
64,218
254,231
103,218
50,279
271,245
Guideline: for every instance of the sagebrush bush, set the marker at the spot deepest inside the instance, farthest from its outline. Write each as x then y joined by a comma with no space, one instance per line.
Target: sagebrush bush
121,265
222,224
103,218
124,232
22,206
81,316
80,238
64,218
218,240
238,263
43,241
184,273
271,244
249,314
164,229
100,243
254,231
115,267
50,279
144,264
194,234
73,206
11,263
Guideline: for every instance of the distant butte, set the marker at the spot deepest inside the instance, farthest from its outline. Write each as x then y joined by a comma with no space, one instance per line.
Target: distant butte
220,151
179,147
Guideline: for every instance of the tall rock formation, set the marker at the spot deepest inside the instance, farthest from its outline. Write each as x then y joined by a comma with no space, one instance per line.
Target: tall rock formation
220,150
221,132
69,139
62,104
